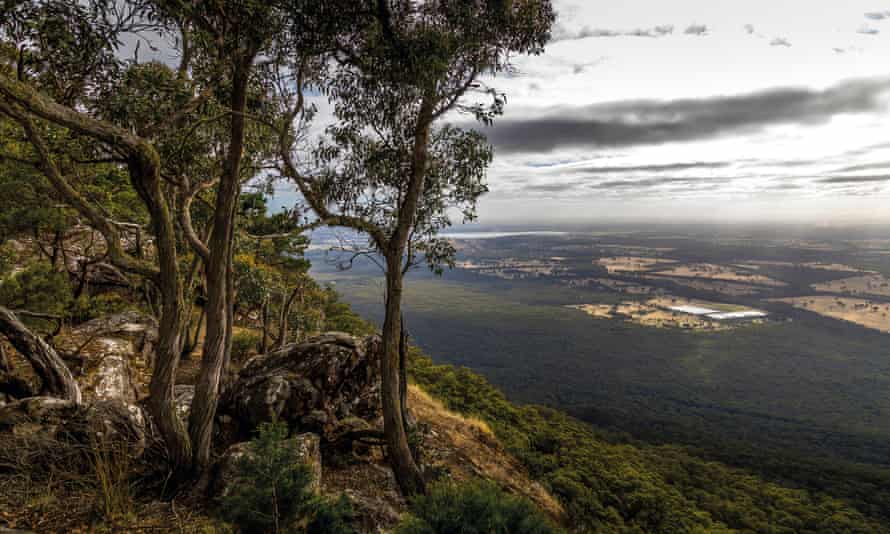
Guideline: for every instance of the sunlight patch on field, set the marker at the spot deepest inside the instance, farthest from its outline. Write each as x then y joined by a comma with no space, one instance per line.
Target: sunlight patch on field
711,271
631,264
869,284
874,315
672,312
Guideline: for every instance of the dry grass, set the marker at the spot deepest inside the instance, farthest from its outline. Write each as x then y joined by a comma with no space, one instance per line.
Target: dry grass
874,315
467,449
711,271
632,264
464,448
426,407
868,284
656,313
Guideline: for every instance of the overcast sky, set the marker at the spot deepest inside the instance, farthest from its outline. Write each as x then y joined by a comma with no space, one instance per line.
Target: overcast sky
720,110
699,109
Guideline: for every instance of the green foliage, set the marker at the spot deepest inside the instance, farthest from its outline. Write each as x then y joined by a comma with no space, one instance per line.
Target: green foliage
340,317
273,492
610,486
476,507
38,288
331,517
7,259
88,307
245,344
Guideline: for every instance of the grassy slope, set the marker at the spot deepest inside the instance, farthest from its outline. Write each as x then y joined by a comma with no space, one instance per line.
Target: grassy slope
611,486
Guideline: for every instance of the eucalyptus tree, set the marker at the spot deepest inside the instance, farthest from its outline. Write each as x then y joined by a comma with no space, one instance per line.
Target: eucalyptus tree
393,170
179,134
63,54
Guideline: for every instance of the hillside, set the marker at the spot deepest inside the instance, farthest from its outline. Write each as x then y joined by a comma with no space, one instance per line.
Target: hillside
609,484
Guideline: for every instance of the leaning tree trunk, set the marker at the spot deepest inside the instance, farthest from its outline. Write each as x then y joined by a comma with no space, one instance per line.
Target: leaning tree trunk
56,377
283,317
168,350
218,275
5,364
404,467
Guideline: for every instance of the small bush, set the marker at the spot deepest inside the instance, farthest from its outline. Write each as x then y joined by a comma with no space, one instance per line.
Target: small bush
273,493
86,307
245,345
38,288
478,507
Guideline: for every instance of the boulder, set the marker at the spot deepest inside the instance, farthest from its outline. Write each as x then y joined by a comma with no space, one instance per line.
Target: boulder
312,386
308,450
111,350
58,419
183,395
43,416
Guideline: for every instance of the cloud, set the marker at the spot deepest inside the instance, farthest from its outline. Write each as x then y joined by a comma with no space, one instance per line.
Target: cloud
866,30
644,168
854,179
656,182
696,29
878,15
561,34
865,167
780,41
652,122
553,188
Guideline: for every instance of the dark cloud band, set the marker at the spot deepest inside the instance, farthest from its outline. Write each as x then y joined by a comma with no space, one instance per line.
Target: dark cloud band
649,122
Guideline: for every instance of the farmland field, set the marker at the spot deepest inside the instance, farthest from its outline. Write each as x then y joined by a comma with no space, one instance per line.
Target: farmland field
801,395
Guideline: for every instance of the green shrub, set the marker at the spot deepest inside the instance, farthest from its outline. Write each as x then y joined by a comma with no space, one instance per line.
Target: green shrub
478,507
88,307
244,345
38,288
273,493
331,517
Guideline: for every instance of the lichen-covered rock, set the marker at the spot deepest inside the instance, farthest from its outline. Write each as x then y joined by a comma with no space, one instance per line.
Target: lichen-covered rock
88,424
42,416
183,395
312,386
112,350
308,450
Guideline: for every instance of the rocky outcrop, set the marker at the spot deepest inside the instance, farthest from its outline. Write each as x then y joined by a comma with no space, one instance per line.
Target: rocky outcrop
111,351
313,386
307,448
59,419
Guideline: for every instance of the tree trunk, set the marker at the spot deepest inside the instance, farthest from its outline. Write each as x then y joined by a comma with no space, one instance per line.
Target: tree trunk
264,345
5,364
56,377
191,339
169,347
220,287
403,465
403,372
285,313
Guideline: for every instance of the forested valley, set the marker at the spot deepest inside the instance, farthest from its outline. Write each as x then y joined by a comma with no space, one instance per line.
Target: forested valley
169,360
